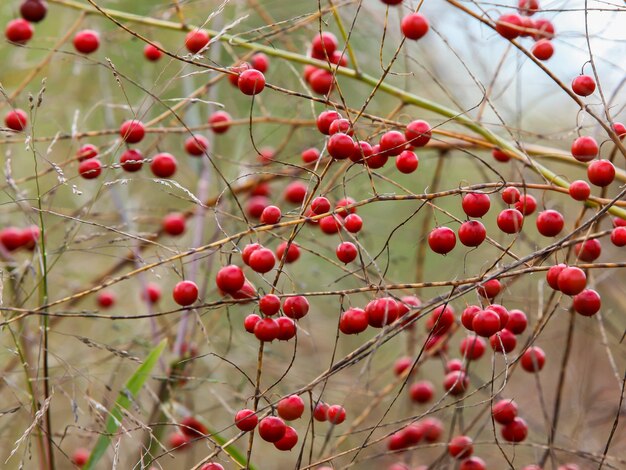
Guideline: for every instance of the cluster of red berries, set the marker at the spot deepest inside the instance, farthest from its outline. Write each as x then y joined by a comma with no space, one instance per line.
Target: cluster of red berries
324,47
274,429
429,430
512,26
514,428
13,238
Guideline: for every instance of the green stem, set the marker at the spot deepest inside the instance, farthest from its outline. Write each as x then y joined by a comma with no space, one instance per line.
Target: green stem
406,97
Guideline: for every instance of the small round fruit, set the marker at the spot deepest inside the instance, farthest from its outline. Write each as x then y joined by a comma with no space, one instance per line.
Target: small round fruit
550,223
290,254
192,427
106,299
587,303
132,131
340,146
552,275
509,26
353,321
325,119
174,224
336,414
288,441
510,195
579,190
323,45
476,204
472,347
601,172
290,408
486,323
262,260
271,215
407,162
90,169
230,279
80,457
503,342
422,391
381,312
250,322
269,304
251,82
272,429
212,466
266,329
504,411
517,322
310,155
442,240
499,155
515,431
526,204
571,280
461,447
163,165
152,53
87,41
260,62
220,122
34,11
472,233
583,85
320,412
418,133
543,49
585,148
196,145
346,252
19,31
320,205
510,221
131,160
196,40
618,236
185,293
467,317
490,289
152,293
533,359
16,119
296,307
286,328
414,26
589,250
440,320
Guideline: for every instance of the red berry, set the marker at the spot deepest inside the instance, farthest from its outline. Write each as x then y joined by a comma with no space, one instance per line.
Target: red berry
472,347
310,155
422,391
220,122
461,447
550,223
323,45
583,85
288,441
251,82
295,192
34,11
16,120
262,260
533,359
510,195
440,320
414,26
528,7
86,152
353,223
196,40
504,411
526,204
247,251
163,165
454,364
178,441
196,145
271,215
250,322
346,252
256,205
340,146
587,303
152,53
320,205
185,293
290,408
286,328
80,457
230,279
472,233
589,250
341,125
489,289
90,169
442,240
296,307
433,429
543,49
418,133
473,463
392,143
260,62
233,78
131,160
553,273
467,317
510,221
407,162
572,280
212,466
503,341
353,321
499,155
476,204
132,131
152,293
266,329
381,312
585,148
543,29
192,428
401,365
336,414
269,304
87,41
515,431
579,190
601,172
509,26
19,31
272,429
618,236
11,238
517,322
292,254
325,119
106,299
330,224
320,412
486,323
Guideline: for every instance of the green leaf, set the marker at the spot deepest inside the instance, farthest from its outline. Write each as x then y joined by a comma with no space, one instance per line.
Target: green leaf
131,390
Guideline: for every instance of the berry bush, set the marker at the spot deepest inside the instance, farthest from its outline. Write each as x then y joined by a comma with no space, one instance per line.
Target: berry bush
380,234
